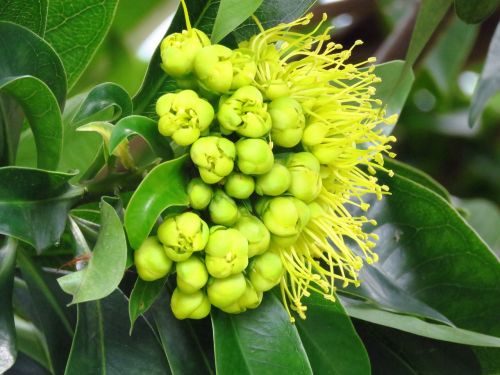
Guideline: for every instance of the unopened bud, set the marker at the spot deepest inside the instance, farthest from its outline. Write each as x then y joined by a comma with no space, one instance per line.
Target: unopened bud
226,252
255,232
214,69
288,121
306,181
254,156
214,157
239,185
265,271
190,305
192,274
200,194
226,291
151,261
223,209
275,182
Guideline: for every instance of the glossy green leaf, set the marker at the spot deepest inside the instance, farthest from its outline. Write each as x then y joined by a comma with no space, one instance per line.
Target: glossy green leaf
34,204
8,350
105,268
143,295
163,187
475,11
489,82
102,345
331,343
184,341
30,341
232,13
76,30
146,129
31,14
260,341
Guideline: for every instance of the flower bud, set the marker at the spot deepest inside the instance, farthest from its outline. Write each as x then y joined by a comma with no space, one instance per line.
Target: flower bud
226,252
245,113
214,157
178,51
277,88
182,234
190,305
314,134
200,194
306,178
214,69
275,182
254,156
244,68
266,271
288,121
183,116
255,232
223,209
226,291
192,275
151,261
250,299
239,185
284,216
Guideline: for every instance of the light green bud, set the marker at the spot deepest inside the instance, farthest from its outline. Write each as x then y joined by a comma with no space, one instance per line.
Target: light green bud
183,116
325,154
244,68
223,209
265,271
255,232
183,234
288,121
214,157
314,134
190,305
306,177
245,113
284,216
277,88
250,299
226,291
226,252
254,156
275,182
192,274
178,51
200,194
151,261
214,68
239,185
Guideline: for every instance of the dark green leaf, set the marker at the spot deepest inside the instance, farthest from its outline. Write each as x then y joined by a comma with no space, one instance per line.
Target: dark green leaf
102,345
332,344
142,297
163,187
232,13
260,341
8,350
34,204
31,14
30,341
76,30
475,11
25,365
107,262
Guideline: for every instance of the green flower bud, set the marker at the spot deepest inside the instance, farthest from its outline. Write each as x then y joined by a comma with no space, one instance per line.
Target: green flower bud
250,299
239,185
178,51
255,232
214,157
254,156
306,178
275,182
190,305
288,121
183,116
226,252
284,216
245,113
200,194
226,291
314,134
151,261
244,68
276,88
326,154
182,234
266,271
192,275
223,209
214,68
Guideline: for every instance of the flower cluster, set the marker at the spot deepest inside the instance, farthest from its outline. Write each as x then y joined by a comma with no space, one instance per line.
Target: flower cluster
283,134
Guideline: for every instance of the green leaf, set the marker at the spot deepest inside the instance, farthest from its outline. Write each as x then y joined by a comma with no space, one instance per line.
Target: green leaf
40,107
143,295
331,343
34,204
76,30
107,262
102,345
475,11
8,350
260,341
145,128
30,341
163,187
26,365
31,14
489,82
232,13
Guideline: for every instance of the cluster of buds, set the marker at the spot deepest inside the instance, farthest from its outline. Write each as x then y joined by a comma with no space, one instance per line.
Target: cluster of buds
282,133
